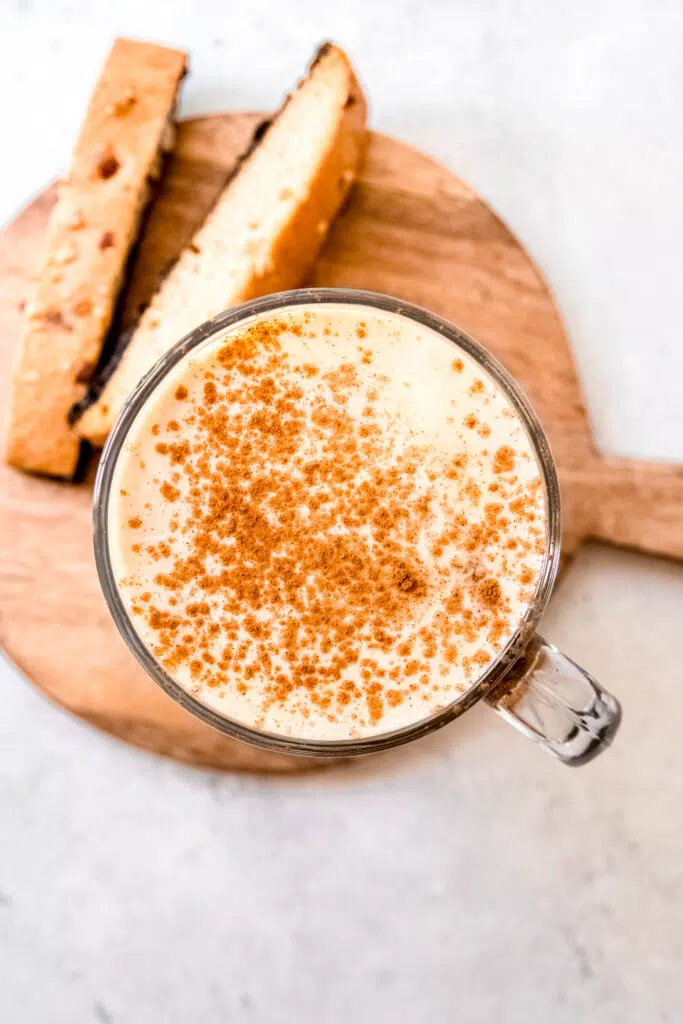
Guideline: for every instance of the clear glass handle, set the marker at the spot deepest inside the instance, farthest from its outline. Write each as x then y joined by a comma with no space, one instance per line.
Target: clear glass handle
553,701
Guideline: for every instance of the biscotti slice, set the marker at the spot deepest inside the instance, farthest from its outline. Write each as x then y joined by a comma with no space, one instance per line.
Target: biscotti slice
266,228
119,154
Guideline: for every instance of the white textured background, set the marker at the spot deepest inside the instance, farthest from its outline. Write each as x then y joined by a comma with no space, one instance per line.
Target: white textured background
468,878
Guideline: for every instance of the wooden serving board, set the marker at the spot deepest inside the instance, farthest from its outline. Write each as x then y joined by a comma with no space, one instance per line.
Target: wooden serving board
411,229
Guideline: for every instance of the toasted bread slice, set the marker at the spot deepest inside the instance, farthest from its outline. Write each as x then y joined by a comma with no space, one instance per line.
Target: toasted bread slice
266,228
92,228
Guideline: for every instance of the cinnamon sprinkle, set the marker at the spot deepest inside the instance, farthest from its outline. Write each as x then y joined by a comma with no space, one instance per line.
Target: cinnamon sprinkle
302,565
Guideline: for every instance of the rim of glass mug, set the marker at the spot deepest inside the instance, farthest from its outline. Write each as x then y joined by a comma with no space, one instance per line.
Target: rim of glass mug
498,669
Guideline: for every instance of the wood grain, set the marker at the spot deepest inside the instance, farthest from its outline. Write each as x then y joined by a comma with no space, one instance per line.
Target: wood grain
411,229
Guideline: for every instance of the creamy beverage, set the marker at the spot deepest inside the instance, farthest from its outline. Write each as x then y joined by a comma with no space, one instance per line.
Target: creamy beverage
327,522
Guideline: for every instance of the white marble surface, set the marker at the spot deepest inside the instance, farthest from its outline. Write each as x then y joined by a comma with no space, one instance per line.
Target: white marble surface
470,877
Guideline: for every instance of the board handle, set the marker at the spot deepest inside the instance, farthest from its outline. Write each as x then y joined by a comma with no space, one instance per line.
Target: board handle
638,504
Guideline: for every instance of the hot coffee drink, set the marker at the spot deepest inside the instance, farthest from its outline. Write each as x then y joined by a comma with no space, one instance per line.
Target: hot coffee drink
327,522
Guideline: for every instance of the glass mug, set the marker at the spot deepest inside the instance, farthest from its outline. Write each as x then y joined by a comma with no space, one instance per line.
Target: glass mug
530,684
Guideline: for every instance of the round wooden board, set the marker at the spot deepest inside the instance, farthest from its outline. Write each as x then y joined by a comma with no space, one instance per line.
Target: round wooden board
411,229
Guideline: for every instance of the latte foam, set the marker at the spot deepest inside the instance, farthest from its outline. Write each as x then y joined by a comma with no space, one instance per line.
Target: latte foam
327,522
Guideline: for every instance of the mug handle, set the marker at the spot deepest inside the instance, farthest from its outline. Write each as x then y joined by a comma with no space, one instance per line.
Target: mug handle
556,703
